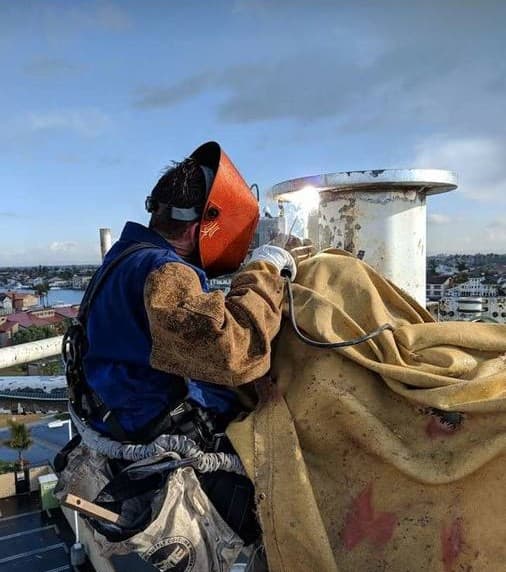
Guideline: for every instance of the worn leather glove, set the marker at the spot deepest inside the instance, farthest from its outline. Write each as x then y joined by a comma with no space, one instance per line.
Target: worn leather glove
278,257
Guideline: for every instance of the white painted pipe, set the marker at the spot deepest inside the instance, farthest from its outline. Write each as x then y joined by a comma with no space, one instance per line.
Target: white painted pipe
24,353
379,215
387,228
105,241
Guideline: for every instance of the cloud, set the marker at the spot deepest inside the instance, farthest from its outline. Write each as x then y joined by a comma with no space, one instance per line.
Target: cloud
58,25
479,162
467,234
364,69
85,122
289,87
437,218
496,231
156,97
111,17
50,67
58,252
65,246
70,19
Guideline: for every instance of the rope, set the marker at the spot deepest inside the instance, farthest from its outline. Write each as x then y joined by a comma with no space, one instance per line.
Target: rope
180,444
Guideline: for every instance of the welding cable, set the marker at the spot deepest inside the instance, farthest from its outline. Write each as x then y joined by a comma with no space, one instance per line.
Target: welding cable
326,345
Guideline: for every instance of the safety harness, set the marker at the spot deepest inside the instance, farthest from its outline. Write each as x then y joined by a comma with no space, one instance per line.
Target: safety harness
186,418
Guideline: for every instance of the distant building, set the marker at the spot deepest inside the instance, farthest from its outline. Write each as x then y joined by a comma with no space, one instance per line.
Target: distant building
5,305
7,331
474,286
43,317
80,282
57,283
446,268
453,308
67,311
437,286
21,300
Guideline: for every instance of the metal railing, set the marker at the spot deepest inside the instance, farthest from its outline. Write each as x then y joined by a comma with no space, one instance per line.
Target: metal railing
24,353
56,395
31,351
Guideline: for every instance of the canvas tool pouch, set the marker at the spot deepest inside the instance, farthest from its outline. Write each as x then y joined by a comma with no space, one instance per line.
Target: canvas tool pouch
84,472
185,533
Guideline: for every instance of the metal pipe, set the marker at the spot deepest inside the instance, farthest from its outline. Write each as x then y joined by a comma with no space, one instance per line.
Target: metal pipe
105,241
378,215
388,226
31,351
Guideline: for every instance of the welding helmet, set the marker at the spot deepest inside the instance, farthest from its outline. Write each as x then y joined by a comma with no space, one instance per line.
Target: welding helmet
230,214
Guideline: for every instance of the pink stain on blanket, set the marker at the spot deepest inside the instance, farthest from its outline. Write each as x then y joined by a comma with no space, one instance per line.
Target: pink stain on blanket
363,522
452,543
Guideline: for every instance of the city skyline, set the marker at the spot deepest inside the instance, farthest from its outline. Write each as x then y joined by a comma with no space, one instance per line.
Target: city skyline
100,96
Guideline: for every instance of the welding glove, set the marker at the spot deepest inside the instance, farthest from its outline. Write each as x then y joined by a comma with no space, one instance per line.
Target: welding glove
278,257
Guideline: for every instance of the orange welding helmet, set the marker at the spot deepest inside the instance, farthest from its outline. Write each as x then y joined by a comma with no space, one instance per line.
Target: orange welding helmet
230,214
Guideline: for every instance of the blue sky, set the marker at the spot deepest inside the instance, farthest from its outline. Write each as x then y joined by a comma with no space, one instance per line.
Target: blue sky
98,97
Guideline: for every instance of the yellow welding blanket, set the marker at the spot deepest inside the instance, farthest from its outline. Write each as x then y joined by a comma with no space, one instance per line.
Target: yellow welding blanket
385,456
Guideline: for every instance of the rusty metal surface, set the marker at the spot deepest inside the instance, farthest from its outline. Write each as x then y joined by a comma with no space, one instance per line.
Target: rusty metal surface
378,215
389,227
431,181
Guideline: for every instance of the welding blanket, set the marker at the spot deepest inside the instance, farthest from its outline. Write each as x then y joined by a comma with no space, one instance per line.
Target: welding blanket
385,456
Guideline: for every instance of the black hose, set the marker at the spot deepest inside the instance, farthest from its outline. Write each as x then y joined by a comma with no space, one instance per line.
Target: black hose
254,186
326,345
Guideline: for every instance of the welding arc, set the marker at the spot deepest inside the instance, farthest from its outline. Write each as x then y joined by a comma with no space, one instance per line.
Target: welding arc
327,345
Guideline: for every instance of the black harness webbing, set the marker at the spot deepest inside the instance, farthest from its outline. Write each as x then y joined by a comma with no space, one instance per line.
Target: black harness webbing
83,398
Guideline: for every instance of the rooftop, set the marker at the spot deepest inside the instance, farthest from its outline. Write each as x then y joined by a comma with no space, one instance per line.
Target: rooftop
33,540
437,278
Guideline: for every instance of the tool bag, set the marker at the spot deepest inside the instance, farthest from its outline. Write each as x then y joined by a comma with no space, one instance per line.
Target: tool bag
166,518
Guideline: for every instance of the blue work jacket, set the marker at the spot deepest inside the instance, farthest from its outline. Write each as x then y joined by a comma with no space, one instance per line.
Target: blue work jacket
117,363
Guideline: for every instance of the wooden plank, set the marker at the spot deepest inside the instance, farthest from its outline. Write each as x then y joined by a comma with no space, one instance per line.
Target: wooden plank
90,509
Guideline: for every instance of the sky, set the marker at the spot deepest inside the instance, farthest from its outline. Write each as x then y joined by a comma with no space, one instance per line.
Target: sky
98,97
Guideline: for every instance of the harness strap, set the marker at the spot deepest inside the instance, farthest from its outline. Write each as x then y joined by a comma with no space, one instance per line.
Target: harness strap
98,279
73,355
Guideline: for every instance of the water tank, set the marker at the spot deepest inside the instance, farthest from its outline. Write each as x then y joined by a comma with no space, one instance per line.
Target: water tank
470,306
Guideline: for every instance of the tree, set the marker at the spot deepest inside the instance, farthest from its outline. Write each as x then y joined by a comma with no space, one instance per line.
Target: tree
20,439
32,333
53,367
460,278
41,290
6,467
62,326
431,266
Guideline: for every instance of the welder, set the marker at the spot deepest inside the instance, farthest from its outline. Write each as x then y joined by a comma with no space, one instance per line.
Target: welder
163,354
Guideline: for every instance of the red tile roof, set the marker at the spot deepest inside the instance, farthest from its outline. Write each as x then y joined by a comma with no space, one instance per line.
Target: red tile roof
25,320
67,311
